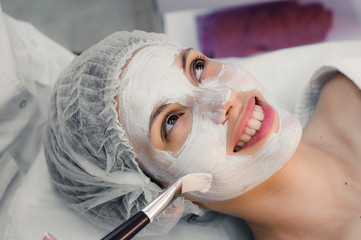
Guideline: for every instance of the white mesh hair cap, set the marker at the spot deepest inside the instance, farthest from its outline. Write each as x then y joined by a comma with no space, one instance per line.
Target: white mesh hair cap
89,157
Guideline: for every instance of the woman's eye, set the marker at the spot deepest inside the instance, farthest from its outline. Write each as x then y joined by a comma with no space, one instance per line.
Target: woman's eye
198,67
169,121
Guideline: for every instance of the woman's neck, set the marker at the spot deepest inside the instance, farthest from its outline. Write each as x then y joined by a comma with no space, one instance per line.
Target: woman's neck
302,199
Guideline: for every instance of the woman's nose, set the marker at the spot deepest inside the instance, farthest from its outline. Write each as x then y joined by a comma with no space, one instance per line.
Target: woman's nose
229,105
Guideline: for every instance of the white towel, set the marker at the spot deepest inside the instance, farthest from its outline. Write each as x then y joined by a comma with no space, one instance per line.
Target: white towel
306,103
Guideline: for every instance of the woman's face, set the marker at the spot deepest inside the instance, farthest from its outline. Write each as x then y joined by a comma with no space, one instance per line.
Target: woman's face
249,119
185,113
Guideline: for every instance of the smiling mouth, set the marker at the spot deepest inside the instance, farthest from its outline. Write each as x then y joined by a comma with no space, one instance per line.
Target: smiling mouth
253,125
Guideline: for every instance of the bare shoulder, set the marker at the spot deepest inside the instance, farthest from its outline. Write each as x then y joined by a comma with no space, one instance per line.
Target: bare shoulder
340,103
336,119
341,94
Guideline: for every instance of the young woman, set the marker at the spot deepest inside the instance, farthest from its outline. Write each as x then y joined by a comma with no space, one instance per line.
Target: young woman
138,99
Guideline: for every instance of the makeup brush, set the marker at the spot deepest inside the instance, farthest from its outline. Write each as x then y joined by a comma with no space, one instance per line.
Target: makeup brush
192,182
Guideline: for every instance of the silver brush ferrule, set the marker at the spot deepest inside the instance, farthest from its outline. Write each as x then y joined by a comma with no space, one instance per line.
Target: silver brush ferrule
163,200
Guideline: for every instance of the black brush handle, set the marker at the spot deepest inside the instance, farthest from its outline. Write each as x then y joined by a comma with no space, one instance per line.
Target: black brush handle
129,228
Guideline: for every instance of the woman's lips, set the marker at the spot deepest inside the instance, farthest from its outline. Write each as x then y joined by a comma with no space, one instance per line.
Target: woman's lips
254,124
243,119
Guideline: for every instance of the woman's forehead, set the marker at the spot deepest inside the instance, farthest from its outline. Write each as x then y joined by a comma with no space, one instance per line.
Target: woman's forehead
144,50
151,77
157,51
155,67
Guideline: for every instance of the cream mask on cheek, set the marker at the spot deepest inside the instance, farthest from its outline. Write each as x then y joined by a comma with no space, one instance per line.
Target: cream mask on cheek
151,78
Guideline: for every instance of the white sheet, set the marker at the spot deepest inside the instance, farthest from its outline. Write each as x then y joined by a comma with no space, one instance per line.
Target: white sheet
36,207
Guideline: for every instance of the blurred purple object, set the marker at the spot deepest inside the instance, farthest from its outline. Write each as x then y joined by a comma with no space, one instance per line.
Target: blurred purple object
244,31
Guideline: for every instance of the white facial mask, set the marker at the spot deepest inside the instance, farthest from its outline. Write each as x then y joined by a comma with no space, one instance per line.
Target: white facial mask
151,78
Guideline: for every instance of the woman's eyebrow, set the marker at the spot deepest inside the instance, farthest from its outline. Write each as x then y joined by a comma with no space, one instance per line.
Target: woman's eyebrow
155,114
184,56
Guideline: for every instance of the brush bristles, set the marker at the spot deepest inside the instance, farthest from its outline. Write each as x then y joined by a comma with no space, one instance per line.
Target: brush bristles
196,182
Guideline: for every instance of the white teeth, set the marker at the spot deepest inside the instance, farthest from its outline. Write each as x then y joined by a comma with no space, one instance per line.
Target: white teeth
250,131
258,108
245,137
258,115
241,144
253,123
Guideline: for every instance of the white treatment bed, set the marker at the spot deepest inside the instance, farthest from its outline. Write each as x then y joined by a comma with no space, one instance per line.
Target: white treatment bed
32,206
